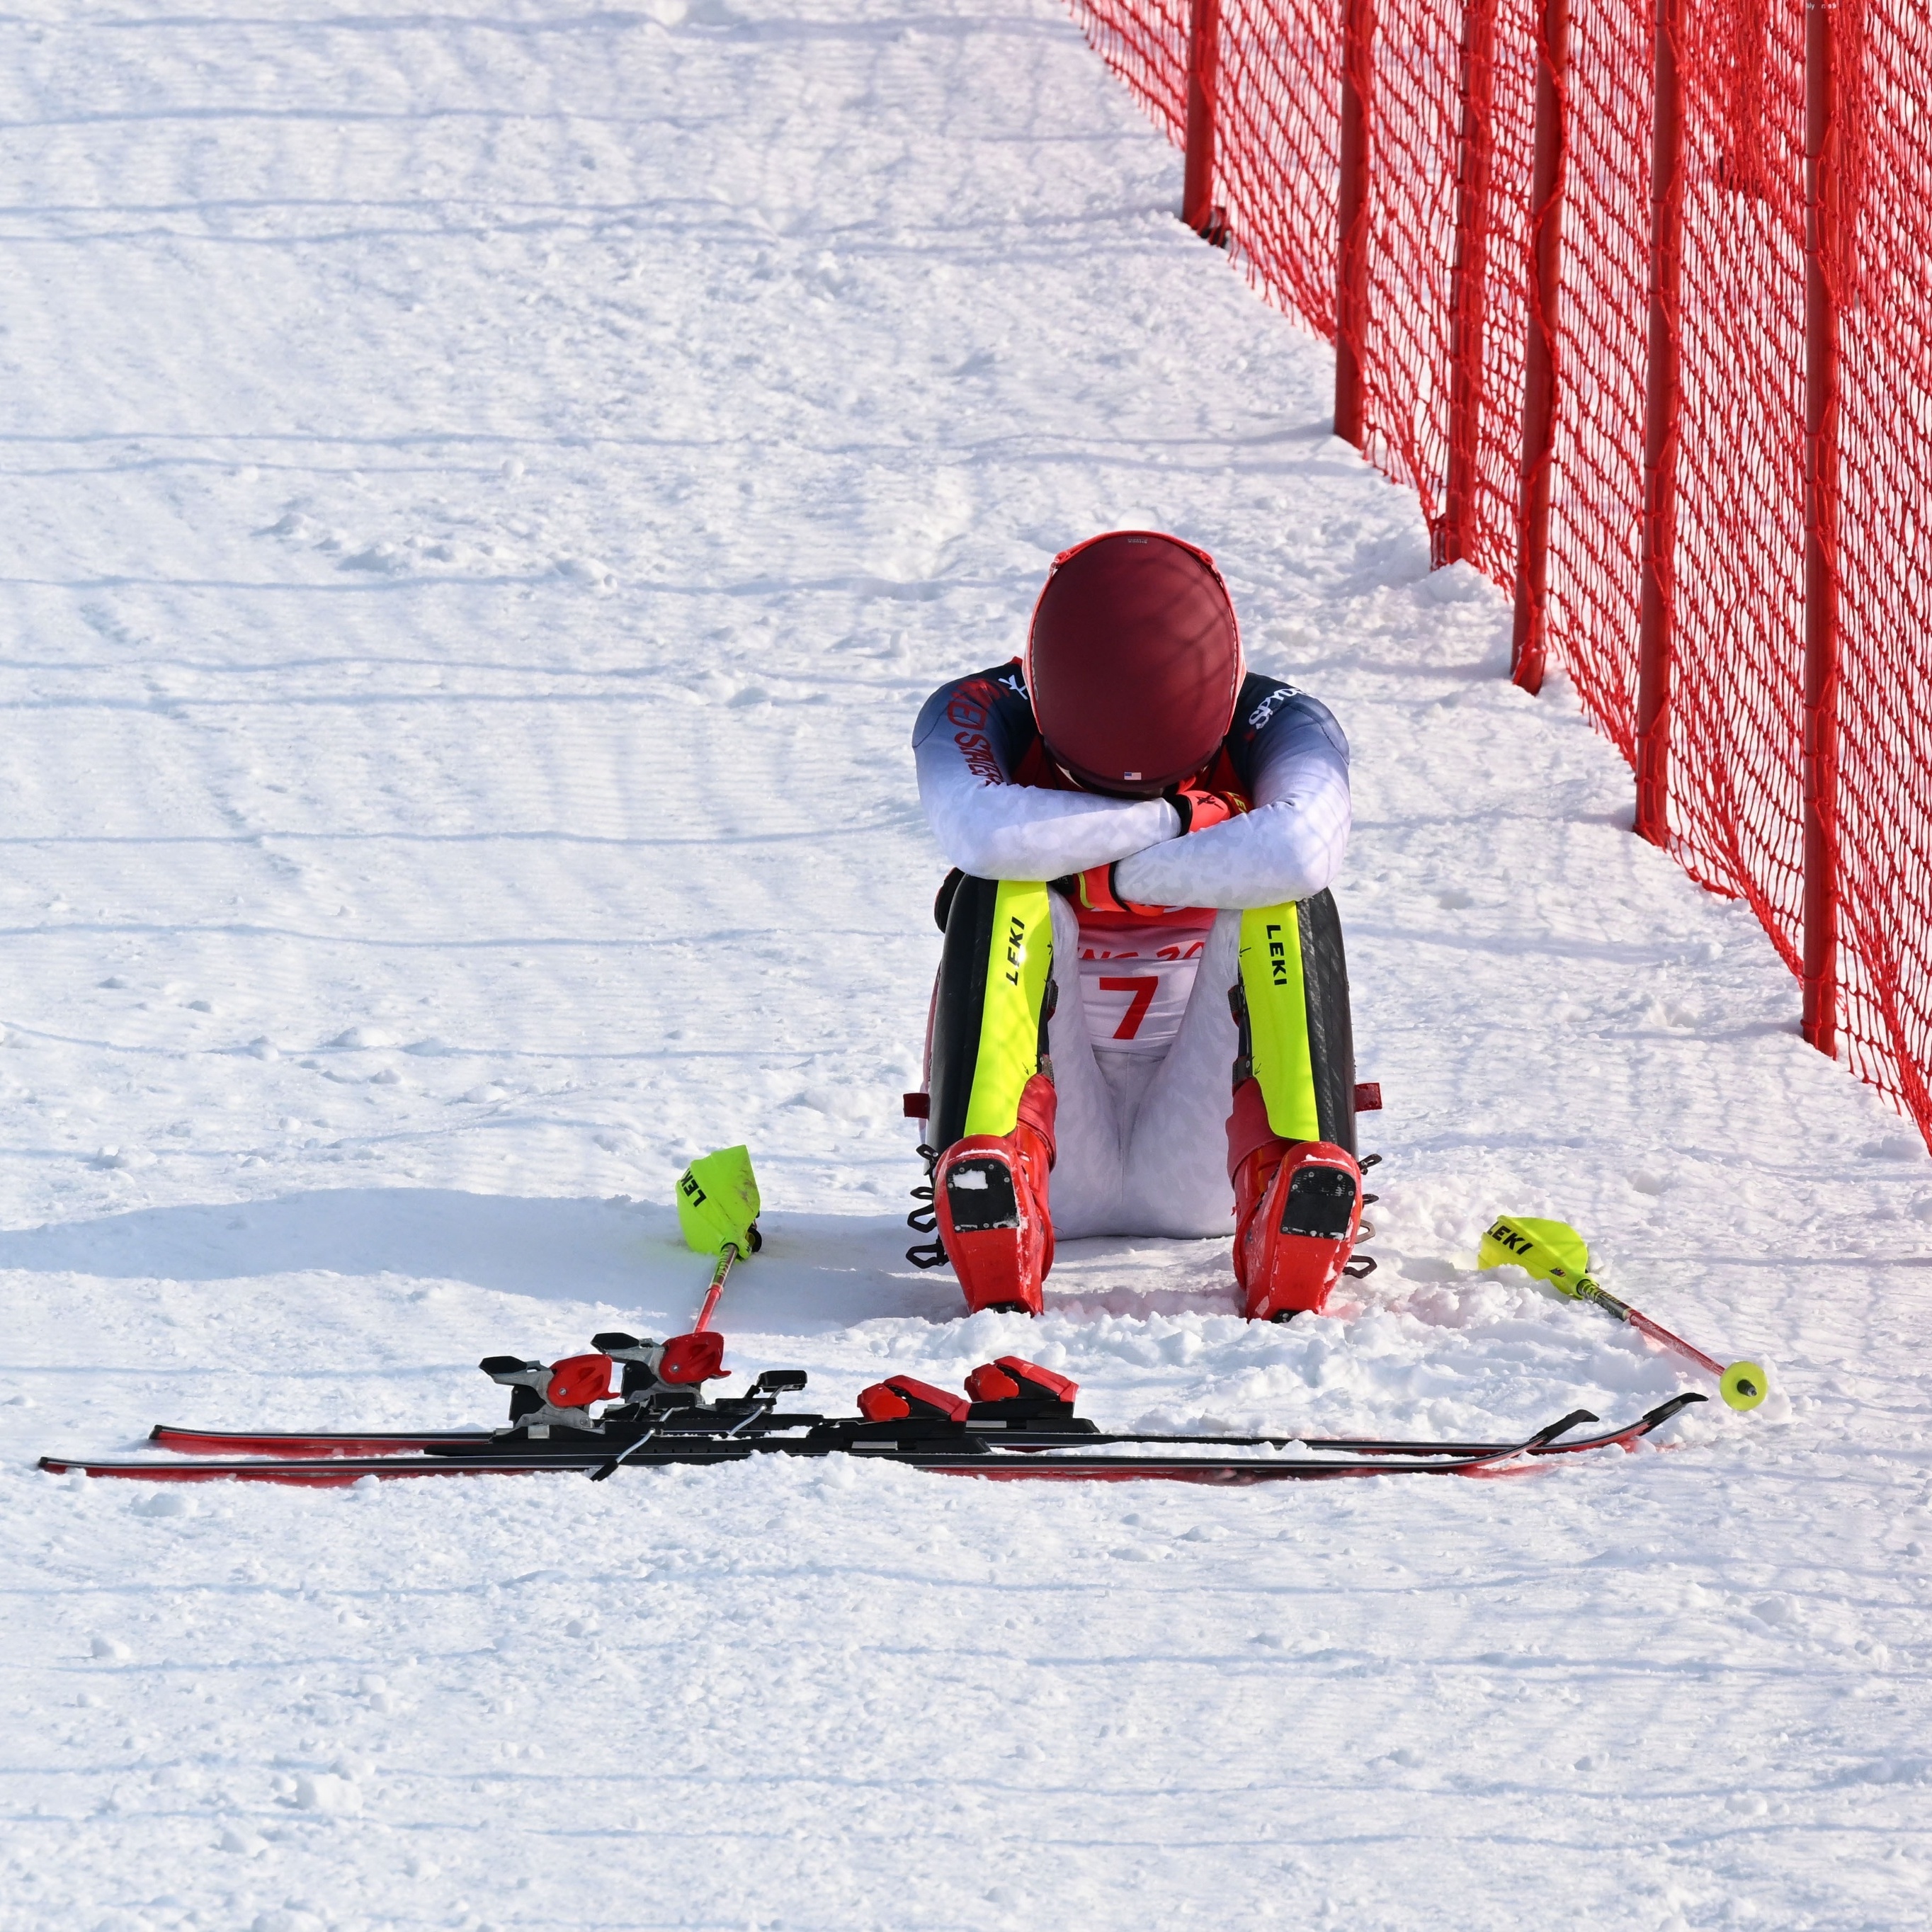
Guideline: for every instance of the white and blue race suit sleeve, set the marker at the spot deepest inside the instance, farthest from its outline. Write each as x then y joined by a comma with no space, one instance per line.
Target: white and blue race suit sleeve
1287,755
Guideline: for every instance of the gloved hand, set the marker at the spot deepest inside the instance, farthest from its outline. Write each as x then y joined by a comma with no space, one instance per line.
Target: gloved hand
1200,809
1092,891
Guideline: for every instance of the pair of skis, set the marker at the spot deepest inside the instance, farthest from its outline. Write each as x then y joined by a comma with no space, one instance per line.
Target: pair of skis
1016,1422
1035,1448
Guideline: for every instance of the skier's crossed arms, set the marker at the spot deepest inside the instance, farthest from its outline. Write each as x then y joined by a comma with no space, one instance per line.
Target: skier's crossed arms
1189,817
1280,835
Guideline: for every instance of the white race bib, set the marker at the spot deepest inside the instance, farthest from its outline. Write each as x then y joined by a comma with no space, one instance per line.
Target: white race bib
1136,981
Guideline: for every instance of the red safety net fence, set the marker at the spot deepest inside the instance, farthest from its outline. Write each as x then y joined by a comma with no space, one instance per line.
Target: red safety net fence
1635,294
1883,563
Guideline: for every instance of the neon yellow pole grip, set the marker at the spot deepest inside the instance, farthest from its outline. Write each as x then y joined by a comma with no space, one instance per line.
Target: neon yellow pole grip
718,1202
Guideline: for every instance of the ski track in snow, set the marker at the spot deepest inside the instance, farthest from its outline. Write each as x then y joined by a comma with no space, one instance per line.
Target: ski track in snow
487,494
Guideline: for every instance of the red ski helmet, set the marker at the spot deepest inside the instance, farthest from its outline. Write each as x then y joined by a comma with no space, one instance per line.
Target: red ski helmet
1133,662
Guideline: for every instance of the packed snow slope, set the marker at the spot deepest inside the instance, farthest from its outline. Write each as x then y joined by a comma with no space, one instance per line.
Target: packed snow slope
487,490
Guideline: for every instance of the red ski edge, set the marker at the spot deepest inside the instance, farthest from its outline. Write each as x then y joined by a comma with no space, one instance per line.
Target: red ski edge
314,1472
276,1442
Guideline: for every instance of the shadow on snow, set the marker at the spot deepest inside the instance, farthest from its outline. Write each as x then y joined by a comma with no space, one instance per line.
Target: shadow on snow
817,1272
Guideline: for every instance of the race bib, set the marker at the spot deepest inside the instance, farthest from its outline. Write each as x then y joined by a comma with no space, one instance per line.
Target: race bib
1135,980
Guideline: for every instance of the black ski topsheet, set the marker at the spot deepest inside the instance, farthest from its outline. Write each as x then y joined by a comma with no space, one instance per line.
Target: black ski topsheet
515,1445
1082,1459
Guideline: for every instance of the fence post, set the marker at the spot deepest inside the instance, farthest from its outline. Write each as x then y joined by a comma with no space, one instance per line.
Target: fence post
1468,277
1528,646
1824,255
1657,636
1204,75
1351,254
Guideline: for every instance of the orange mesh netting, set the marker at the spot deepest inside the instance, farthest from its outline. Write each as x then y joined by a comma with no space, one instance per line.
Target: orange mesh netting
1885,550
1597,502
1735,789
1449,297
1280,68
1145,43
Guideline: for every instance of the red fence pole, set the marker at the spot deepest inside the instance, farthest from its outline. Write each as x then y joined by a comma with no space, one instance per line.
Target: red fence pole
1823,255
1351,269
1528,645
1204,75
1453,536
1657,642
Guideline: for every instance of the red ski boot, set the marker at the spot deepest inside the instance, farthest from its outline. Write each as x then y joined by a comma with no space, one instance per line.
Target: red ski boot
1297,1211
990,1191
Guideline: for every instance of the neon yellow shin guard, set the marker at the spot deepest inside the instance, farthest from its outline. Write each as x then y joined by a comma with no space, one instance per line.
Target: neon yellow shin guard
1019,956
1292,1131
1275,990
1298,1039
991,1122
989,1006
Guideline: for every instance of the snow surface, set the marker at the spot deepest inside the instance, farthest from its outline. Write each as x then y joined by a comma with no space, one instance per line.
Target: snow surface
487,491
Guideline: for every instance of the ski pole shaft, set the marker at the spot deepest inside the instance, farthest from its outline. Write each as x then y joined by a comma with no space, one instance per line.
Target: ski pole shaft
1588,1290
726,1255
1742,1384
1658,1333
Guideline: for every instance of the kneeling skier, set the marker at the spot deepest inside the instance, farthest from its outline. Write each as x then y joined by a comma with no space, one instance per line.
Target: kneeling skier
1142,834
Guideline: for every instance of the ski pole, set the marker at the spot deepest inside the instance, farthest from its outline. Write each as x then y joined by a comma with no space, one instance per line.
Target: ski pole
726,1255
717,1209
1554,1252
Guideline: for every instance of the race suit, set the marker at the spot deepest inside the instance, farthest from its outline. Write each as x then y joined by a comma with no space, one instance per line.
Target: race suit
1230,961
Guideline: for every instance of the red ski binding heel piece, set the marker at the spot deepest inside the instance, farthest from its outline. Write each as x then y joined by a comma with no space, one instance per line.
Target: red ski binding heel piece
1013,1393
1298,1208
899,1398
990,1193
